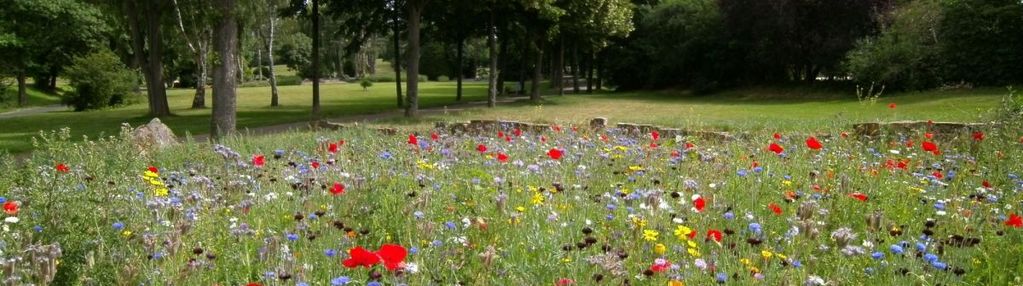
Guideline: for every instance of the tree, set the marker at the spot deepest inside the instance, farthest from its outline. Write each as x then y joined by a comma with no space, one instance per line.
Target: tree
267,14
982,41
415,11
224,78
907,53
144,20
30,43
195,25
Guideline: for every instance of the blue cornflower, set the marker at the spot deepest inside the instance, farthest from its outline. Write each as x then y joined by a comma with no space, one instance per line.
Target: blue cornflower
338,281
450,225
741,173
896,249
920,246
386,155
118,226
758,169
729,215
930,257
437,243
413,250
38,228
418,214
877,255
939,265
330,252
292,236
755,228
721,277
374,283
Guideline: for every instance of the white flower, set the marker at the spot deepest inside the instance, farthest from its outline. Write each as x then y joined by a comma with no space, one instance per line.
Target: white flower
893,151
12,219
411,267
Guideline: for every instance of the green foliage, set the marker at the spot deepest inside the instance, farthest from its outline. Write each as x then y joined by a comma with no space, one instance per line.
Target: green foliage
982,42
906,53
42,37
365,83
99,80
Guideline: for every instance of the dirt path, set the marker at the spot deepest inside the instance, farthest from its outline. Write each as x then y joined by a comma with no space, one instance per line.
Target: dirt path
32,110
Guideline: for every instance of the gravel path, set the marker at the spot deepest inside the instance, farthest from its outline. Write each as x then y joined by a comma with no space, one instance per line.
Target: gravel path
32,110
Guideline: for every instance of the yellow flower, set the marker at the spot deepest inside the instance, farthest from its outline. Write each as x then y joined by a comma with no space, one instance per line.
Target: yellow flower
766,254
660,249
650,235
566,259
621,148
635,168
691,244
787,183
676,283
520,209
424,165
537,199
626,191
161,191
126,233
694,252
638,221
682,232
744,261
781,256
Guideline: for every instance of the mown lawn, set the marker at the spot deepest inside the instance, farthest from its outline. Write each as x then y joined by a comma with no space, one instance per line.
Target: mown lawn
253,110
745,109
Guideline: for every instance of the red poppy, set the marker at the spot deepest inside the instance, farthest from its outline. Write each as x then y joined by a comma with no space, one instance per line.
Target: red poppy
315,164
986,184
658,268
338,189
692,234
844,134
11,207
482,148
412,139
153,169
564,282
978,136
937,174
891,105
434,136
500,134
774,208
502,157
690,146
332,148
929,146
555,153
359,256
714,234
603,137
777,136
653,144
655,135
812,143
699,203
518,132
929,135
507,138
909,143
755,165
62,168
1014,221
859,196
675,154
393,255
777,149
557,128
543,139
253,284
258,160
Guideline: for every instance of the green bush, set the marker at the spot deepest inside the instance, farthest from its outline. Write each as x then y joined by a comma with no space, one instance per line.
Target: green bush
381,78
285,80
365,83
99,80
443,79
905,54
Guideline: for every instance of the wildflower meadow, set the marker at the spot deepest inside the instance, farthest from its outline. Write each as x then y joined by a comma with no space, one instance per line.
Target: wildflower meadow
569,206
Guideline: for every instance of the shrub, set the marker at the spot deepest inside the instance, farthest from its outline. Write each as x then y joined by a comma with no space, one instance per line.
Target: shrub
381,79
443,79
904,55
365,83
99,80
255,83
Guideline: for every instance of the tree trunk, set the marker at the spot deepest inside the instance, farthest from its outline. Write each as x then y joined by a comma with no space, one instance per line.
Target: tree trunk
503,65
153,66
589,73
576,66
316,60
414,12
492,79
199,101
558,75
397,55
534,94
600,72
274,95
22,89
458,70
224,80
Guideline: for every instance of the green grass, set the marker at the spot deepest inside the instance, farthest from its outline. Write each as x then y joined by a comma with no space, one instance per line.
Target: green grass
743,109
35,98
253,110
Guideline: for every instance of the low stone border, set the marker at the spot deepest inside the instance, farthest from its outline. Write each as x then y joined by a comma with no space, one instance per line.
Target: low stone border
477,127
